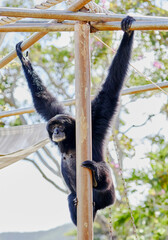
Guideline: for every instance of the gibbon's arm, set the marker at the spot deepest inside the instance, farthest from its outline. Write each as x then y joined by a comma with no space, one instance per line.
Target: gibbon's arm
105,103
45,104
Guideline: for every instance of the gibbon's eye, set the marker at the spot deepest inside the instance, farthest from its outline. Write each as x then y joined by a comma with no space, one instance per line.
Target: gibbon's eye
52,127
61,127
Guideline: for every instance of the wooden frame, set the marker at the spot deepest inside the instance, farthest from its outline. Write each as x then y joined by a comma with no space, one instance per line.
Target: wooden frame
83,130
68,15
69,26
82,72
37,36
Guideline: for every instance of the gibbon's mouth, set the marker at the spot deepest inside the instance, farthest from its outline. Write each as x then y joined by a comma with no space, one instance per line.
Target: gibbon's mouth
57,138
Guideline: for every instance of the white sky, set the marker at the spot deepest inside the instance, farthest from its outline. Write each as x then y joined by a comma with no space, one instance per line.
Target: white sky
29,203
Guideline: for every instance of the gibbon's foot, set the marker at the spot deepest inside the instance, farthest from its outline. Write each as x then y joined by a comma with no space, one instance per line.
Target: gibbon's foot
92,166
25,60
126,24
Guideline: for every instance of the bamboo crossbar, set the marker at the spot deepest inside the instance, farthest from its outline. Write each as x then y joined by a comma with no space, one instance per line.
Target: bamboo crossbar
160,24
143,25
37,36
69,26
126,91
38,27
68,15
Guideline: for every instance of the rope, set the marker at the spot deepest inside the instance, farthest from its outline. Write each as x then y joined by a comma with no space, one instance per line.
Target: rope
125,188
44,5
140,73
48,4
93,7
110,224
110,212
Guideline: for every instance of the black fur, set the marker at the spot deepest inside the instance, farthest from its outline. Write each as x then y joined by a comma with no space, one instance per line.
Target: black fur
103,109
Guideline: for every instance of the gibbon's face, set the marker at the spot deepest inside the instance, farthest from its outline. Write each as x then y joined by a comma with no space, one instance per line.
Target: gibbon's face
58,126
58,133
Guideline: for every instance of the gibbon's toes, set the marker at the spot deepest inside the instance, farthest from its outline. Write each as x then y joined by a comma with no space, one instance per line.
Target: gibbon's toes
27,54
126,23
25,60
75,202
89,164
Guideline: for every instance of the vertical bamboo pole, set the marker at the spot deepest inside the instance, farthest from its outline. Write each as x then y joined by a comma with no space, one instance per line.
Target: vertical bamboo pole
83,131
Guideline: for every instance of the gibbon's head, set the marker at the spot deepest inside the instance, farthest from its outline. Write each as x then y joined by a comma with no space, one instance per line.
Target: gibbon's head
60,127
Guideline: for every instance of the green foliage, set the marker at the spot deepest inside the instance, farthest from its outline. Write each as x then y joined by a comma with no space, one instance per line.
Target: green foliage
16,122
17,3
151,188
126,144
2,124
165,109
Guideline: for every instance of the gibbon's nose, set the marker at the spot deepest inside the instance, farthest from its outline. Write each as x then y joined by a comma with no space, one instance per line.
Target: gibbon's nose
56,131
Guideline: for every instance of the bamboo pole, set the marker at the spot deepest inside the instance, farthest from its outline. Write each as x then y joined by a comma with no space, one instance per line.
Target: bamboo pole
17,112
144,88
43,5
77,5
83,131
126,91
142,25
67,15
38,27
37,36
69,26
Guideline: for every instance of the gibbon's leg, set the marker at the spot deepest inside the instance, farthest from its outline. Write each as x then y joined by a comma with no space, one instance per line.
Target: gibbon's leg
101,174
72,201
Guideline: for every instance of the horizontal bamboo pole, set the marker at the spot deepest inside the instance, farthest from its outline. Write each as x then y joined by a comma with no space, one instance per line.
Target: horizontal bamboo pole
126,91
17,112
144,88
143,25
38,27
67,15
37,36
69,26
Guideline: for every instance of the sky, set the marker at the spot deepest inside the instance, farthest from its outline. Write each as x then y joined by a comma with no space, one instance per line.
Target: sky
29,203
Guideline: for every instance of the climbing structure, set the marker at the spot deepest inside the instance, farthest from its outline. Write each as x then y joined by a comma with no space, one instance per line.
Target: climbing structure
86,20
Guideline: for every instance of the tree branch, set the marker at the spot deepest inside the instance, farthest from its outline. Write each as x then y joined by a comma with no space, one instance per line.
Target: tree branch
47,165
44,176
52,158
140,125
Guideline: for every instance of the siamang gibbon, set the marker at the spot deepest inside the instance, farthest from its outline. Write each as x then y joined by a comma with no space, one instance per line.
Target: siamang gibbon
61,125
